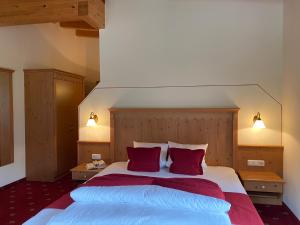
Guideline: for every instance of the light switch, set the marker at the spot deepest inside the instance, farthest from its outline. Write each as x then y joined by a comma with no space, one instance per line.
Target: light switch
256,163
96,156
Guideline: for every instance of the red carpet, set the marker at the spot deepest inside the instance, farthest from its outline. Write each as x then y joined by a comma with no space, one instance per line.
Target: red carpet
22,200
277,215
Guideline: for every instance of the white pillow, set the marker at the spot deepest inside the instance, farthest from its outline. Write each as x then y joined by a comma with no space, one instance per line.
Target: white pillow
186,146
163,153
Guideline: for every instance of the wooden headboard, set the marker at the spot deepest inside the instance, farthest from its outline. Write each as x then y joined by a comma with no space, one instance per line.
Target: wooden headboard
216,126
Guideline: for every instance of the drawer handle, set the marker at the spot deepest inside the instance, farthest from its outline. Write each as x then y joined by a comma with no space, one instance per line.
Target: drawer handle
84,176
263,187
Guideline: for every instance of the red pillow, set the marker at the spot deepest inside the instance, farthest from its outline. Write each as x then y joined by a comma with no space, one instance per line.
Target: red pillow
186,161
144,159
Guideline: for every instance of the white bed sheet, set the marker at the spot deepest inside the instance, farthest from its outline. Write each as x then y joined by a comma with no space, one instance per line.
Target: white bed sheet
225,177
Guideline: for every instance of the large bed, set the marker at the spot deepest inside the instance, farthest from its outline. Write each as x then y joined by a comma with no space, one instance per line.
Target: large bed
217,127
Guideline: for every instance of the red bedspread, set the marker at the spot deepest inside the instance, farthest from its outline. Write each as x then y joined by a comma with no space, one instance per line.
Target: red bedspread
242,210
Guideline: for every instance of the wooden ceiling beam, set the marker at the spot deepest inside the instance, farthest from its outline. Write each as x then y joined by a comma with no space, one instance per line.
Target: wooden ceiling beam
93,12
19,12
77,25
88,33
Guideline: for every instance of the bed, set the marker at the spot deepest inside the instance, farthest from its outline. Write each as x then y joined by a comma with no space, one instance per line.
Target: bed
217,127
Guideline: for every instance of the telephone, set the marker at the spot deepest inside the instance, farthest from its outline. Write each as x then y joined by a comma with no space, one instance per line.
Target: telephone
96,164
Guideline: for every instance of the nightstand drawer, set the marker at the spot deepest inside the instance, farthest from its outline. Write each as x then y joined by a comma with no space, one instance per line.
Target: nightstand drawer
266,198
80,172
76,175
263,186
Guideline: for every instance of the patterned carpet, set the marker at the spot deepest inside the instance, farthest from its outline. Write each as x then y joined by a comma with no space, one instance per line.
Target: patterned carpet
21,200
277,215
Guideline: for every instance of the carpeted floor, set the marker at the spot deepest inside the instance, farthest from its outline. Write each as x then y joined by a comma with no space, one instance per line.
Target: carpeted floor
22,200
277,215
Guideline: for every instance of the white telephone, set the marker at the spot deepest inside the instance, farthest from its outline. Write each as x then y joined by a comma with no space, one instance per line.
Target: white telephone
97,162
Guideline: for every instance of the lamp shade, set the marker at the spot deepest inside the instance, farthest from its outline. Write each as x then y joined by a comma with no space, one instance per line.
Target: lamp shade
92,122
258,122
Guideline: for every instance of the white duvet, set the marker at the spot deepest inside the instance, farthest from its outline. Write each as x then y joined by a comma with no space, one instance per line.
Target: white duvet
100,214
225,177
142,205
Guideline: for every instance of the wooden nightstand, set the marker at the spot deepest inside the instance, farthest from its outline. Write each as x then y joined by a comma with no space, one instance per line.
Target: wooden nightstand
263,187
81,173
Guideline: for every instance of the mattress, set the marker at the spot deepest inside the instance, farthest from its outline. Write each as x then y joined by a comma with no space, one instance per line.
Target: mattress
243,211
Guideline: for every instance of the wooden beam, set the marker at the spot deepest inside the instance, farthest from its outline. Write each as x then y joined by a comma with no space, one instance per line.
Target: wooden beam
19,12
95,15
77,25
88,33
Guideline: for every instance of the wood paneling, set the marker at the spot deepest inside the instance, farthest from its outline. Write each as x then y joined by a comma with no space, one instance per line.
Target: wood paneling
18,12
51,109
87,148
6,118
217,127
273,156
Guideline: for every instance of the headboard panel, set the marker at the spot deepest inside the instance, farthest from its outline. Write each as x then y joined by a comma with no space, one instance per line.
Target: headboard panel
217,127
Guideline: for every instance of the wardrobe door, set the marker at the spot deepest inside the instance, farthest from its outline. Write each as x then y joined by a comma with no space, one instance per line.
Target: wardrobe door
39,122
6,118
69,93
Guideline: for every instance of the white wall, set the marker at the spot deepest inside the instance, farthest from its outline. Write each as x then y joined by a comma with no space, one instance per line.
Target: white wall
40,46
188,42
291,96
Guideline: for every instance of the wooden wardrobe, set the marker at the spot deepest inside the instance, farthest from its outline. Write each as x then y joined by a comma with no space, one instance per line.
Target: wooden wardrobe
6,118
51,110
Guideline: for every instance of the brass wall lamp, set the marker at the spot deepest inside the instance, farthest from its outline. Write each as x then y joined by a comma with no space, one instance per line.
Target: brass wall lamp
258,123
92,122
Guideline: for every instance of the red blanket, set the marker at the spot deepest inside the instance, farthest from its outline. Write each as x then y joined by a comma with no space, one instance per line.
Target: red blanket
242,210
197,186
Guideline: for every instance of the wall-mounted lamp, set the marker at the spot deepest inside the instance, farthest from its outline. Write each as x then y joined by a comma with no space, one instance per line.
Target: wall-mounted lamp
258,122
92,122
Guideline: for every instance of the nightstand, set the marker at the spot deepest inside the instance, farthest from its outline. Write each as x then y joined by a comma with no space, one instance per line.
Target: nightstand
263,187
81,173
